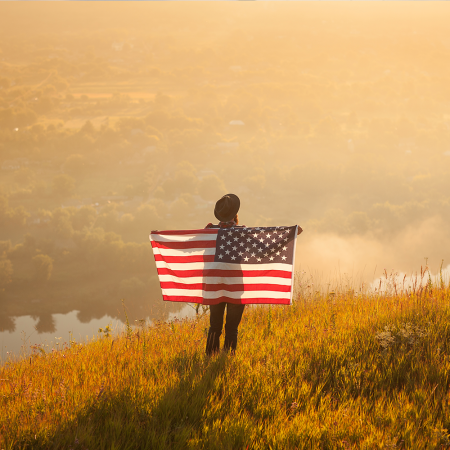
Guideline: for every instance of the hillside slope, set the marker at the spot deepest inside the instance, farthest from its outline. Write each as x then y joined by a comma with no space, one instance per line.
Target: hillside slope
331,371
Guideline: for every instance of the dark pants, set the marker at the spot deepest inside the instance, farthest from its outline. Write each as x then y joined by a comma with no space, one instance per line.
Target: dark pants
234,315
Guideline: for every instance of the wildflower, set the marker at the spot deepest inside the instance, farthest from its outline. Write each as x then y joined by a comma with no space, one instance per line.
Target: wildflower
294,405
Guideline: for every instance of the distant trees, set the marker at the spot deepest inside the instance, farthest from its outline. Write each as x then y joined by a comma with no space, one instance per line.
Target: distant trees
6,273
63,186
17,117
43,267
84,217
75,165
12,217
24,176
211,187
61,223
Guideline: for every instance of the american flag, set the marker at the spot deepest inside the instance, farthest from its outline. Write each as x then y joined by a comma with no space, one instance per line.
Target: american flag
237,265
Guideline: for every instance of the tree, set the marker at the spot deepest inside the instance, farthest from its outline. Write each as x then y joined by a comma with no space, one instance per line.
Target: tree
75,165
63,186
211,187
6,273
84,217
24,176
61,222
43,267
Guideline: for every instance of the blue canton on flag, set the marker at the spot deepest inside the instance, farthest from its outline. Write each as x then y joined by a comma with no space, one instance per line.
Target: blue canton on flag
255,245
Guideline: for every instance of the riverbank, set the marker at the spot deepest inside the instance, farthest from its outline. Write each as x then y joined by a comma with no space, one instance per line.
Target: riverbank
331,371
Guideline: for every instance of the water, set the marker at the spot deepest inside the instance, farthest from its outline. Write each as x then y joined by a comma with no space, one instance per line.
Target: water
65,327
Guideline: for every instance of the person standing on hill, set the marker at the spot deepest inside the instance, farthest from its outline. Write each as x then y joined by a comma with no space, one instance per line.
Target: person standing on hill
226,211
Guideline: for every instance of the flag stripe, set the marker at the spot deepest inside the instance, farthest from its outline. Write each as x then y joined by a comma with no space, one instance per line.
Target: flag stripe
217,294
222,273
287,268
187,259
236,280
184,245
184,238
243,301
184,253
226,287
154,234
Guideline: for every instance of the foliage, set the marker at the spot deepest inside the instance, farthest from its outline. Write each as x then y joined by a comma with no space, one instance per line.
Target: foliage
43,266
330,371
63,186
6,273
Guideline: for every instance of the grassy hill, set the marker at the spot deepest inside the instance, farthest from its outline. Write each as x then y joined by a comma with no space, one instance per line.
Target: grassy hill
340,370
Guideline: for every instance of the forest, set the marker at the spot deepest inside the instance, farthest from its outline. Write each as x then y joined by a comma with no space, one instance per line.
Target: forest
131,119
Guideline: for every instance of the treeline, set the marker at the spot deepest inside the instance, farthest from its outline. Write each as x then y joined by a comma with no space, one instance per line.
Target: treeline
105,134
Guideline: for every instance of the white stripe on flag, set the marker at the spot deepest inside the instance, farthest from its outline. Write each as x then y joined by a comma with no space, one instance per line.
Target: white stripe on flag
222,293
229,280
224,266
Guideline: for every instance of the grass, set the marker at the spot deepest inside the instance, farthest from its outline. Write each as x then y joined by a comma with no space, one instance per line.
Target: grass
332,371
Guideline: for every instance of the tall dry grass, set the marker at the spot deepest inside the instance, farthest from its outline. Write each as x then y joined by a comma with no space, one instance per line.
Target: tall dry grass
334,370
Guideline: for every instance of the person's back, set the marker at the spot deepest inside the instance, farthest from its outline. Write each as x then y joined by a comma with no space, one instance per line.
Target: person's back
226,211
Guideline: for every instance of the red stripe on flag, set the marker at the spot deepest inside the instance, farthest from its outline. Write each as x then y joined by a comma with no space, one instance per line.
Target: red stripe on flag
184,259
215,301
181,232
185,245
226,287
224,273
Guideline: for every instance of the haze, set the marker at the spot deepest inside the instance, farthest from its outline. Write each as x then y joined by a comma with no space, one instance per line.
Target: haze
120,118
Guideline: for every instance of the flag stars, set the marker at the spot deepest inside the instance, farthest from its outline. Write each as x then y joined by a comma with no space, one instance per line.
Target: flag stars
254,245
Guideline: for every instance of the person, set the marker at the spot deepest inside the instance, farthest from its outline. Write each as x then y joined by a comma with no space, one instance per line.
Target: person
226,211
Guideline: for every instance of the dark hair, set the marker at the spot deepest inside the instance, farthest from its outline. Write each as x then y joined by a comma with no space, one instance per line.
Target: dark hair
236,219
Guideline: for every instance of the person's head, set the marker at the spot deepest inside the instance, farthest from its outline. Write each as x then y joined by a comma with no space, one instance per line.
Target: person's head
227,208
